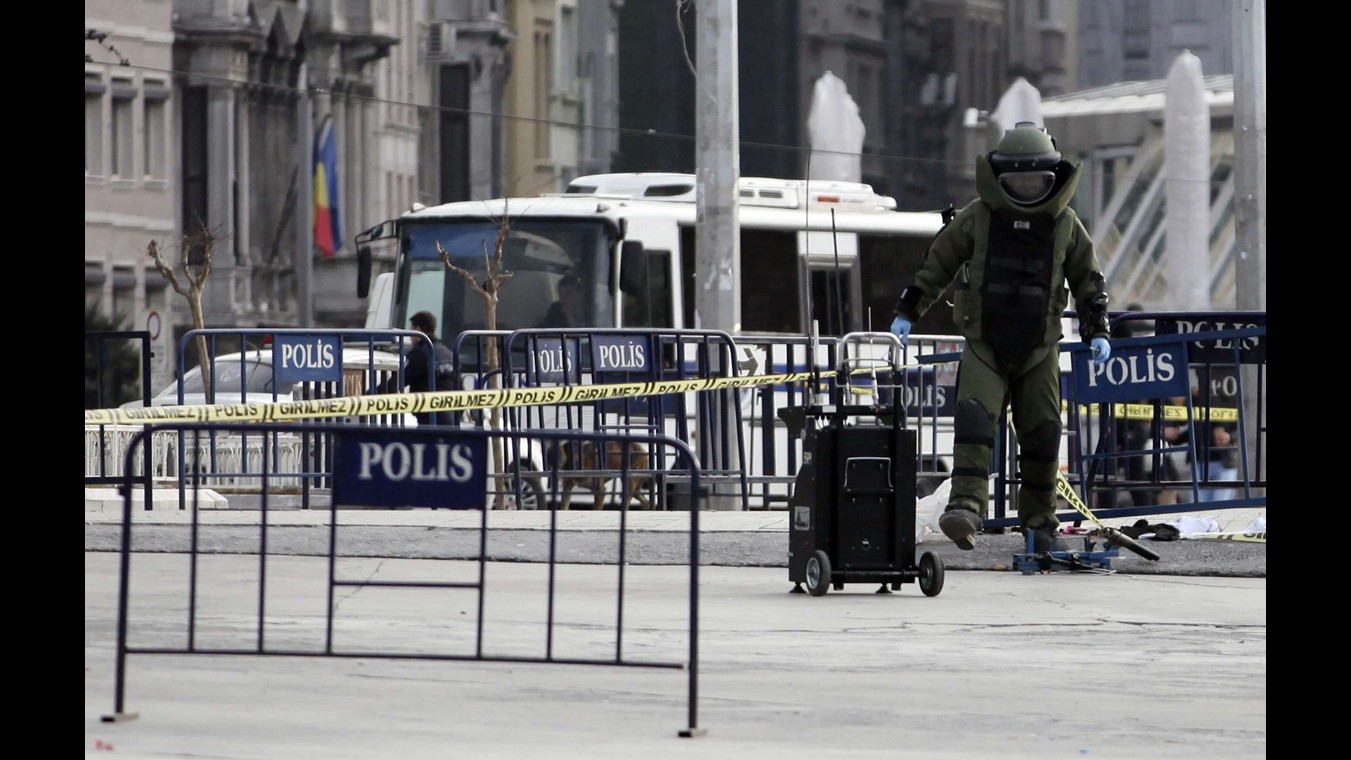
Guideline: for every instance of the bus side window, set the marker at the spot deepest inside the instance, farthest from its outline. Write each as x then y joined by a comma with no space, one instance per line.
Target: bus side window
771,291
832,300
652,308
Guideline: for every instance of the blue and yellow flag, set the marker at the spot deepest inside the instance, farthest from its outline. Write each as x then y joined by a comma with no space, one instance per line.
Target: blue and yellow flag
327,219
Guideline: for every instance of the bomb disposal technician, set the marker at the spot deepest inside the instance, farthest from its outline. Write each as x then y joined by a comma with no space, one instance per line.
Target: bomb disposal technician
1012,252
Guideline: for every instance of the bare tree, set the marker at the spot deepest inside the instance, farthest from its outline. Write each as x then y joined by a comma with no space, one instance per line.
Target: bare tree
487,290
194,262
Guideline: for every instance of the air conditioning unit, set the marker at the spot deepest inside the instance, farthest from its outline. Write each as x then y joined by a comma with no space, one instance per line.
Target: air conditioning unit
441,40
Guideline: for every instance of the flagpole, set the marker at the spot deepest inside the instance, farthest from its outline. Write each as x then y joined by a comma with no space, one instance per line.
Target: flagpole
305,219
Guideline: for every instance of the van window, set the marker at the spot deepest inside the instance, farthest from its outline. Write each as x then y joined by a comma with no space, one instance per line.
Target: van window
228,375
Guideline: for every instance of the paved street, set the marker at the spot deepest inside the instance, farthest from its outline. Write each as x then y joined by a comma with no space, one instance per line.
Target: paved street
999,664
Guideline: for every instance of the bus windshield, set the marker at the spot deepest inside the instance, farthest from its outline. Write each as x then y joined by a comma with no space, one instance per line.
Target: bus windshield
560,274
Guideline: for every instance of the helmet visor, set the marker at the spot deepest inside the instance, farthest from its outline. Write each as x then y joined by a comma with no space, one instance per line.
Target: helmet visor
1027,187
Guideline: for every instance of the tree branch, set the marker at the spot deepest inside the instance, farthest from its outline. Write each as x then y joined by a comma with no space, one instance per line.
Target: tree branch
208,242
153,250
461,271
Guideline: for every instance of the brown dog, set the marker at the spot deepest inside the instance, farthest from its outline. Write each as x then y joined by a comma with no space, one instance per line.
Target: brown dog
586,460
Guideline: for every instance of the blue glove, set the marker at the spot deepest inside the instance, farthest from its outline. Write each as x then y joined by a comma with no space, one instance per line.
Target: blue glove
900,327
1101,350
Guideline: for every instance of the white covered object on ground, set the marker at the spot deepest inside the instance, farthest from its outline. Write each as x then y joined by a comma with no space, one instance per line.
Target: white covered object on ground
929,508
1187,524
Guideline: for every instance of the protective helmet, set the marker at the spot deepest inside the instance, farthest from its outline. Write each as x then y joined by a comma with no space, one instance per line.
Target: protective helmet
1024,161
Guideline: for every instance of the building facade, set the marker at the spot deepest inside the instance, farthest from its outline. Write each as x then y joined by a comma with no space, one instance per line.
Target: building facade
441,100
130,163
533,91
598,83
1138,40
203,114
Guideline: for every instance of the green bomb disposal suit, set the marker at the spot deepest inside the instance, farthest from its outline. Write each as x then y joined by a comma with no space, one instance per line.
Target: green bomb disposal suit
1012,263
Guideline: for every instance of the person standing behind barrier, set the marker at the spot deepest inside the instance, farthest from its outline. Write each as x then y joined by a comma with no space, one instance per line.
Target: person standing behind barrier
1215,445
1012,251
415,371
1132,434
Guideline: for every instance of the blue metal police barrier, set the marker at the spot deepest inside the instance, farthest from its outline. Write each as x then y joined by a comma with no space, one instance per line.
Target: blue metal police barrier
776,456
1227,355
279,364
424,467
548,357
389,468
1138,369
931,405
1185,377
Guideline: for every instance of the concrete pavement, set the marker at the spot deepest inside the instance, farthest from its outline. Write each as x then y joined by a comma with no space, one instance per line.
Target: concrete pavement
1164,661
999,665
758,539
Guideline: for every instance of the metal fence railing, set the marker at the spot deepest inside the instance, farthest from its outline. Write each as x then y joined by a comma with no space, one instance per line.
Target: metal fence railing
376,470
1127,446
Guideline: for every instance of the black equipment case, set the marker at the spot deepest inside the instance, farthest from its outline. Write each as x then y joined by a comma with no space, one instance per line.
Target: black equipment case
852,511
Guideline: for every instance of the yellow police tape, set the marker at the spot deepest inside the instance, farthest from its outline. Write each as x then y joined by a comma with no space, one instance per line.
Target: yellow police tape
1135,411
432,401
1066,491
452,401
1170,413
1256,537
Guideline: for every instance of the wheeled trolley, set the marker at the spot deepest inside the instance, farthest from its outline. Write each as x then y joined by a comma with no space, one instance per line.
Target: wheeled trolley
852,511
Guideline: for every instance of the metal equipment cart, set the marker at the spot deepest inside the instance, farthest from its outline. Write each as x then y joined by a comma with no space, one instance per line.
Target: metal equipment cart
852,511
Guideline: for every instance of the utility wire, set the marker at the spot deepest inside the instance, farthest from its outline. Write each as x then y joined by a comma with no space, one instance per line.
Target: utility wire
251,85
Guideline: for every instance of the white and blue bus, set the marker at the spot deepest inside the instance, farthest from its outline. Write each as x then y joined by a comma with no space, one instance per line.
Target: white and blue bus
834,253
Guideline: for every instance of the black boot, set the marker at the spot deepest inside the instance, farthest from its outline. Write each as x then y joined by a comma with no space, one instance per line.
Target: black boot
961,525
1046,539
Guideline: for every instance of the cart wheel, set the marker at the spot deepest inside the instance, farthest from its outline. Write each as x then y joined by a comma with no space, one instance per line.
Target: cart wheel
930,574
818,573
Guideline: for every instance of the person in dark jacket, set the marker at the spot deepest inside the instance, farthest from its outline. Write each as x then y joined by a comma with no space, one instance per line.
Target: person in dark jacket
1215,444
1017,252
416,374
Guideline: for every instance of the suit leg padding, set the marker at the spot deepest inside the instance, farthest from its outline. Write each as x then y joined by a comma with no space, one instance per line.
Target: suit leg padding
973,434
1038,460
973,424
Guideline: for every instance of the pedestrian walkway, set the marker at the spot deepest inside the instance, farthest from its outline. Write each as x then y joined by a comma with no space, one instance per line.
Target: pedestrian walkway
737,539
104,506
